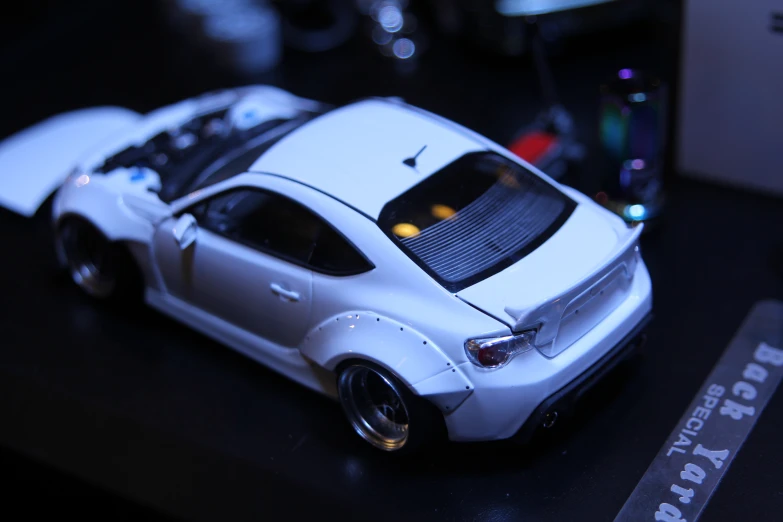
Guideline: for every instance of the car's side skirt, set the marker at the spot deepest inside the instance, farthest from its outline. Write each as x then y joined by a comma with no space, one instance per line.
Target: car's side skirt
287,361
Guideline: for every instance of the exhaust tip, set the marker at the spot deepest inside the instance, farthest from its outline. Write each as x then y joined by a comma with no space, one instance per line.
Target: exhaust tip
549,419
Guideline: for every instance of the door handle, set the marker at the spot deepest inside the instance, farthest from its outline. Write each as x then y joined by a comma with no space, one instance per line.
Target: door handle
288,295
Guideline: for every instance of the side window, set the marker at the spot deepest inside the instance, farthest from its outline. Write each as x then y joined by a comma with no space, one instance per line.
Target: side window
282,227
335,255
264,221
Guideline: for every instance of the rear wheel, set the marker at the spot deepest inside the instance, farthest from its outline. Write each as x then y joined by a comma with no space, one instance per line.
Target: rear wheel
382,410
99,267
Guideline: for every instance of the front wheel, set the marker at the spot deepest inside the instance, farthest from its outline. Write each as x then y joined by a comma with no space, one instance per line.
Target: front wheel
382,410
99,267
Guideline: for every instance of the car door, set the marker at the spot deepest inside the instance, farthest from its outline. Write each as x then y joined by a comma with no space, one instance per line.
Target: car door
242,256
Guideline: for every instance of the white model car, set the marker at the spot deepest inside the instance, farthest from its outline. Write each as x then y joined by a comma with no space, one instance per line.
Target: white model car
378,253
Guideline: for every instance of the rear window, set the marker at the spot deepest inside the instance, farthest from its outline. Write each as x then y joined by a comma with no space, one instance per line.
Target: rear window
473,218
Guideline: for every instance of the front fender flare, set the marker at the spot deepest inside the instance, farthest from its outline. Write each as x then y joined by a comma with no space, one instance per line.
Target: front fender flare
399,348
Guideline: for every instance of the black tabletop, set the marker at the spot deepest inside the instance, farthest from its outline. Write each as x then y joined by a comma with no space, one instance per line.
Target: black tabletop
126,405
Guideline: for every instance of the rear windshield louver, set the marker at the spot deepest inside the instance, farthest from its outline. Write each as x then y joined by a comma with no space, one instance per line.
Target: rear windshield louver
494,225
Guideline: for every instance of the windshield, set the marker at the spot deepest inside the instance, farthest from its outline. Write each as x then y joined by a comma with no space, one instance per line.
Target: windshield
474,217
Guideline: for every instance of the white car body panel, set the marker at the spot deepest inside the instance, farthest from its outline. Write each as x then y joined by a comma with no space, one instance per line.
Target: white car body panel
344,166
583,251
349,153
580,245
206,284
286,361
35,161
531,376
398,306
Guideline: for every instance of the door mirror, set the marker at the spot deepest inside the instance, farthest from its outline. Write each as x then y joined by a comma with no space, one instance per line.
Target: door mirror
185,231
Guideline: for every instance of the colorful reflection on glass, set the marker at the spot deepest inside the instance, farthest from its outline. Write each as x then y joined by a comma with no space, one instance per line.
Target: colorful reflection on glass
632,137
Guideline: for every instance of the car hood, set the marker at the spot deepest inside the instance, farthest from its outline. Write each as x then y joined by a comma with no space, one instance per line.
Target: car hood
35,161
587,253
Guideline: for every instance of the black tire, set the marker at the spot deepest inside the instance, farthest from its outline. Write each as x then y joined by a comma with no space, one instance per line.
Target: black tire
383,411
100,268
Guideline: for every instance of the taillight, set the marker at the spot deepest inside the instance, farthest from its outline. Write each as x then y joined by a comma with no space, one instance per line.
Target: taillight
495,352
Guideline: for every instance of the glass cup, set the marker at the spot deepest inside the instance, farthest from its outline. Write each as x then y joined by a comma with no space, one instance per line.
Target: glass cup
632,131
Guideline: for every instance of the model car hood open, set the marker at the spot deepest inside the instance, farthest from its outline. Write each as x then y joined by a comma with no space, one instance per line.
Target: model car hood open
37,160
587,258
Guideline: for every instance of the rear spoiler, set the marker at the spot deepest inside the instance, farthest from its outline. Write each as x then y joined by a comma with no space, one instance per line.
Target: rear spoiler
35,161
547,316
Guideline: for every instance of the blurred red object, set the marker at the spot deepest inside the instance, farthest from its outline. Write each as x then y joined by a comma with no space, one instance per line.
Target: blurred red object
534,146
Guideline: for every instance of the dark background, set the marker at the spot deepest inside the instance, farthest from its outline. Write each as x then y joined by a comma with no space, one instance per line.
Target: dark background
124,414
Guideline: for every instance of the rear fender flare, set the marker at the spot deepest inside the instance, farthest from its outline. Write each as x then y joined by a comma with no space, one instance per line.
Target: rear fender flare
393,345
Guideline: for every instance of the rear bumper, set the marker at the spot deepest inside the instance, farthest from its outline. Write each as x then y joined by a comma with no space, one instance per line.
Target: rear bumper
563,401
504,402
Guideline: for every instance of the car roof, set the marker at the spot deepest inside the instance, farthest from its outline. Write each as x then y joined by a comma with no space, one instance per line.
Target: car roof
356,153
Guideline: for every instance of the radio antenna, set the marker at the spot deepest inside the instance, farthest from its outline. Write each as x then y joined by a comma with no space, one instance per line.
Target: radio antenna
411,162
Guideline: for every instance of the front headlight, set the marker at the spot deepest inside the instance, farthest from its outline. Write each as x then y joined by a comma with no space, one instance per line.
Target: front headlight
495,352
